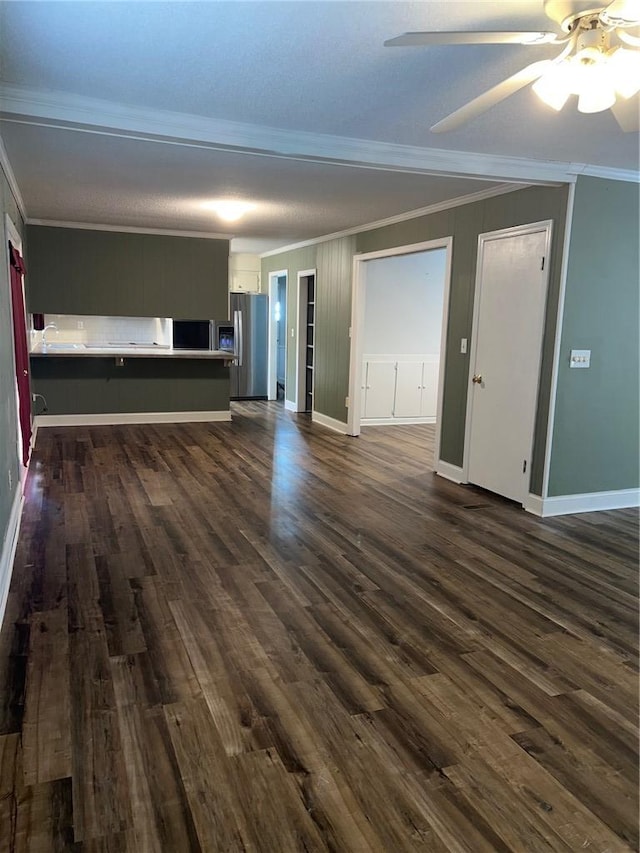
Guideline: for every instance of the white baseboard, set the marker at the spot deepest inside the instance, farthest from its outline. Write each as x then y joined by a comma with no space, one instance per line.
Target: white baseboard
395,421
115,418
450,472
590,502
9,549
330,423
289,406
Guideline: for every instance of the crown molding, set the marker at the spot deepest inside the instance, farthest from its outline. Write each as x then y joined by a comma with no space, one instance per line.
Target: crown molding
490,192
628,175
75,112
128,229
11,179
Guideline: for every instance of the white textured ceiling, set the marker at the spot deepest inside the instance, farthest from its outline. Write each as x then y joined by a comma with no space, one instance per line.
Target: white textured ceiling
299,67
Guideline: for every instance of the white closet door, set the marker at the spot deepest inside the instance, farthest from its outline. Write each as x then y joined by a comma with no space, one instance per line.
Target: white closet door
380,389
510,300
408,390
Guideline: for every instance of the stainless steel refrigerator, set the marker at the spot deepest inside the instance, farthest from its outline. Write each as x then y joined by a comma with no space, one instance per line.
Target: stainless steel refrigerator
250,317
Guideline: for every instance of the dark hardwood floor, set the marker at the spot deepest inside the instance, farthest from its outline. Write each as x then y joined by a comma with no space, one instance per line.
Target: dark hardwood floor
266,636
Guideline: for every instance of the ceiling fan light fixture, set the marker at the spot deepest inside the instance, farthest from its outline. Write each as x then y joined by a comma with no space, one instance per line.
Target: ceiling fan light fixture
596,92
624,66
621,13
554,87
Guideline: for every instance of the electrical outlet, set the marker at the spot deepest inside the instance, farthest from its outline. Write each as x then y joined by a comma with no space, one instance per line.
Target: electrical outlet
347,402
81,324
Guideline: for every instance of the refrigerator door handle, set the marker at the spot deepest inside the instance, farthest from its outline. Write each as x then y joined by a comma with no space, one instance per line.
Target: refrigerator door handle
238,336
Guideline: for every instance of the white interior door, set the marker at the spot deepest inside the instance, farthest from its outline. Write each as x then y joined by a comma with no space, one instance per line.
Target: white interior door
505,365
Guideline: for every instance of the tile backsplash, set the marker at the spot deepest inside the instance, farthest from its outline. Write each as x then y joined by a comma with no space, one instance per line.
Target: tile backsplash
73,328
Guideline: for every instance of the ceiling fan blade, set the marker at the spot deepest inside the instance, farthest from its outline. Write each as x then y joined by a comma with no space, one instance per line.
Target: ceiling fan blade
420,39
627,114
492,96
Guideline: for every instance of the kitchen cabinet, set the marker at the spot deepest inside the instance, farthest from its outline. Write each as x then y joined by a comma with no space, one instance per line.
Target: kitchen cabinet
396,389
114,273
379,389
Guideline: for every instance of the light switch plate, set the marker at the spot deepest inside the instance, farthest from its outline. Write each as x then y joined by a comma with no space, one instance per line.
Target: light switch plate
580,358
463,345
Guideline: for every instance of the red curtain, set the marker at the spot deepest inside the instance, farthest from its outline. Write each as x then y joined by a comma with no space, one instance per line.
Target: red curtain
21,350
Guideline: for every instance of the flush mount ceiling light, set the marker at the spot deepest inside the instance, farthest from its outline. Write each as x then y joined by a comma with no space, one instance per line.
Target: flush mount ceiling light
231,210
599,62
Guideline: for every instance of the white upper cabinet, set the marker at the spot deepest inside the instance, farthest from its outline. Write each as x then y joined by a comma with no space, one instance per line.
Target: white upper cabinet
244,273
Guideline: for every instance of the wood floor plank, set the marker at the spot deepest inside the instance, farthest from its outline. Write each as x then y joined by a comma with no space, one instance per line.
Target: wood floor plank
46,727
263,635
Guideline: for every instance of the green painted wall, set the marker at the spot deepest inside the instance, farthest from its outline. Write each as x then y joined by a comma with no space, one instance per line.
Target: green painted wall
293,262
333,318
96,385
464,224
112,273
9,462
596,436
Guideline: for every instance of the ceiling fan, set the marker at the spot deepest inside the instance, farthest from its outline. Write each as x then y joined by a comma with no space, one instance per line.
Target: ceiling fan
599,61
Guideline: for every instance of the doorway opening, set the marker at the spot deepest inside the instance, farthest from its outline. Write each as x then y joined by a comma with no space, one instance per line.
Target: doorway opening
278,294
398,342
305,355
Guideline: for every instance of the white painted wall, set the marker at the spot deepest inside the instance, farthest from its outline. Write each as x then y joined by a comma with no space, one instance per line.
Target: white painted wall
403,303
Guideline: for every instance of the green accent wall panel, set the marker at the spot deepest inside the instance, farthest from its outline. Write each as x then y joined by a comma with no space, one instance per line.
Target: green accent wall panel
293,262
9,462
596,435
332,321
96,385
114,273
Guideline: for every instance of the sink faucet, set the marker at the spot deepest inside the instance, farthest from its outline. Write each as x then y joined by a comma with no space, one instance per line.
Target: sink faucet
44,332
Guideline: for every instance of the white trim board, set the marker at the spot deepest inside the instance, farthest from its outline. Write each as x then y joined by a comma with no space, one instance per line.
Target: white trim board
330,423
272,333
450,472
78,113
588,502
289,406
128,229
9,546
11,179
555,367
469,198
115,418
395,421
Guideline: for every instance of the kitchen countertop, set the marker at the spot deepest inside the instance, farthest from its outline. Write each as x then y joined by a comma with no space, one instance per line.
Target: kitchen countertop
68,350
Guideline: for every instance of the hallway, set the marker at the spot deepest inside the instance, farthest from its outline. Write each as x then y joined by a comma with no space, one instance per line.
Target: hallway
266,636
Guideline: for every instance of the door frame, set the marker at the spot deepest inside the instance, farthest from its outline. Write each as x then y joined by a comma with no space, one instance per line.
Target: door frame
545,225
12,234
272,371
358,297
299,401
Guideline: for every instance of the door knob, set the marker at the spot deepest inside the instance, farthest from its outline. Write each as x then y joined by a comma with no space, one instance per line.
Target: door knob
477,379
